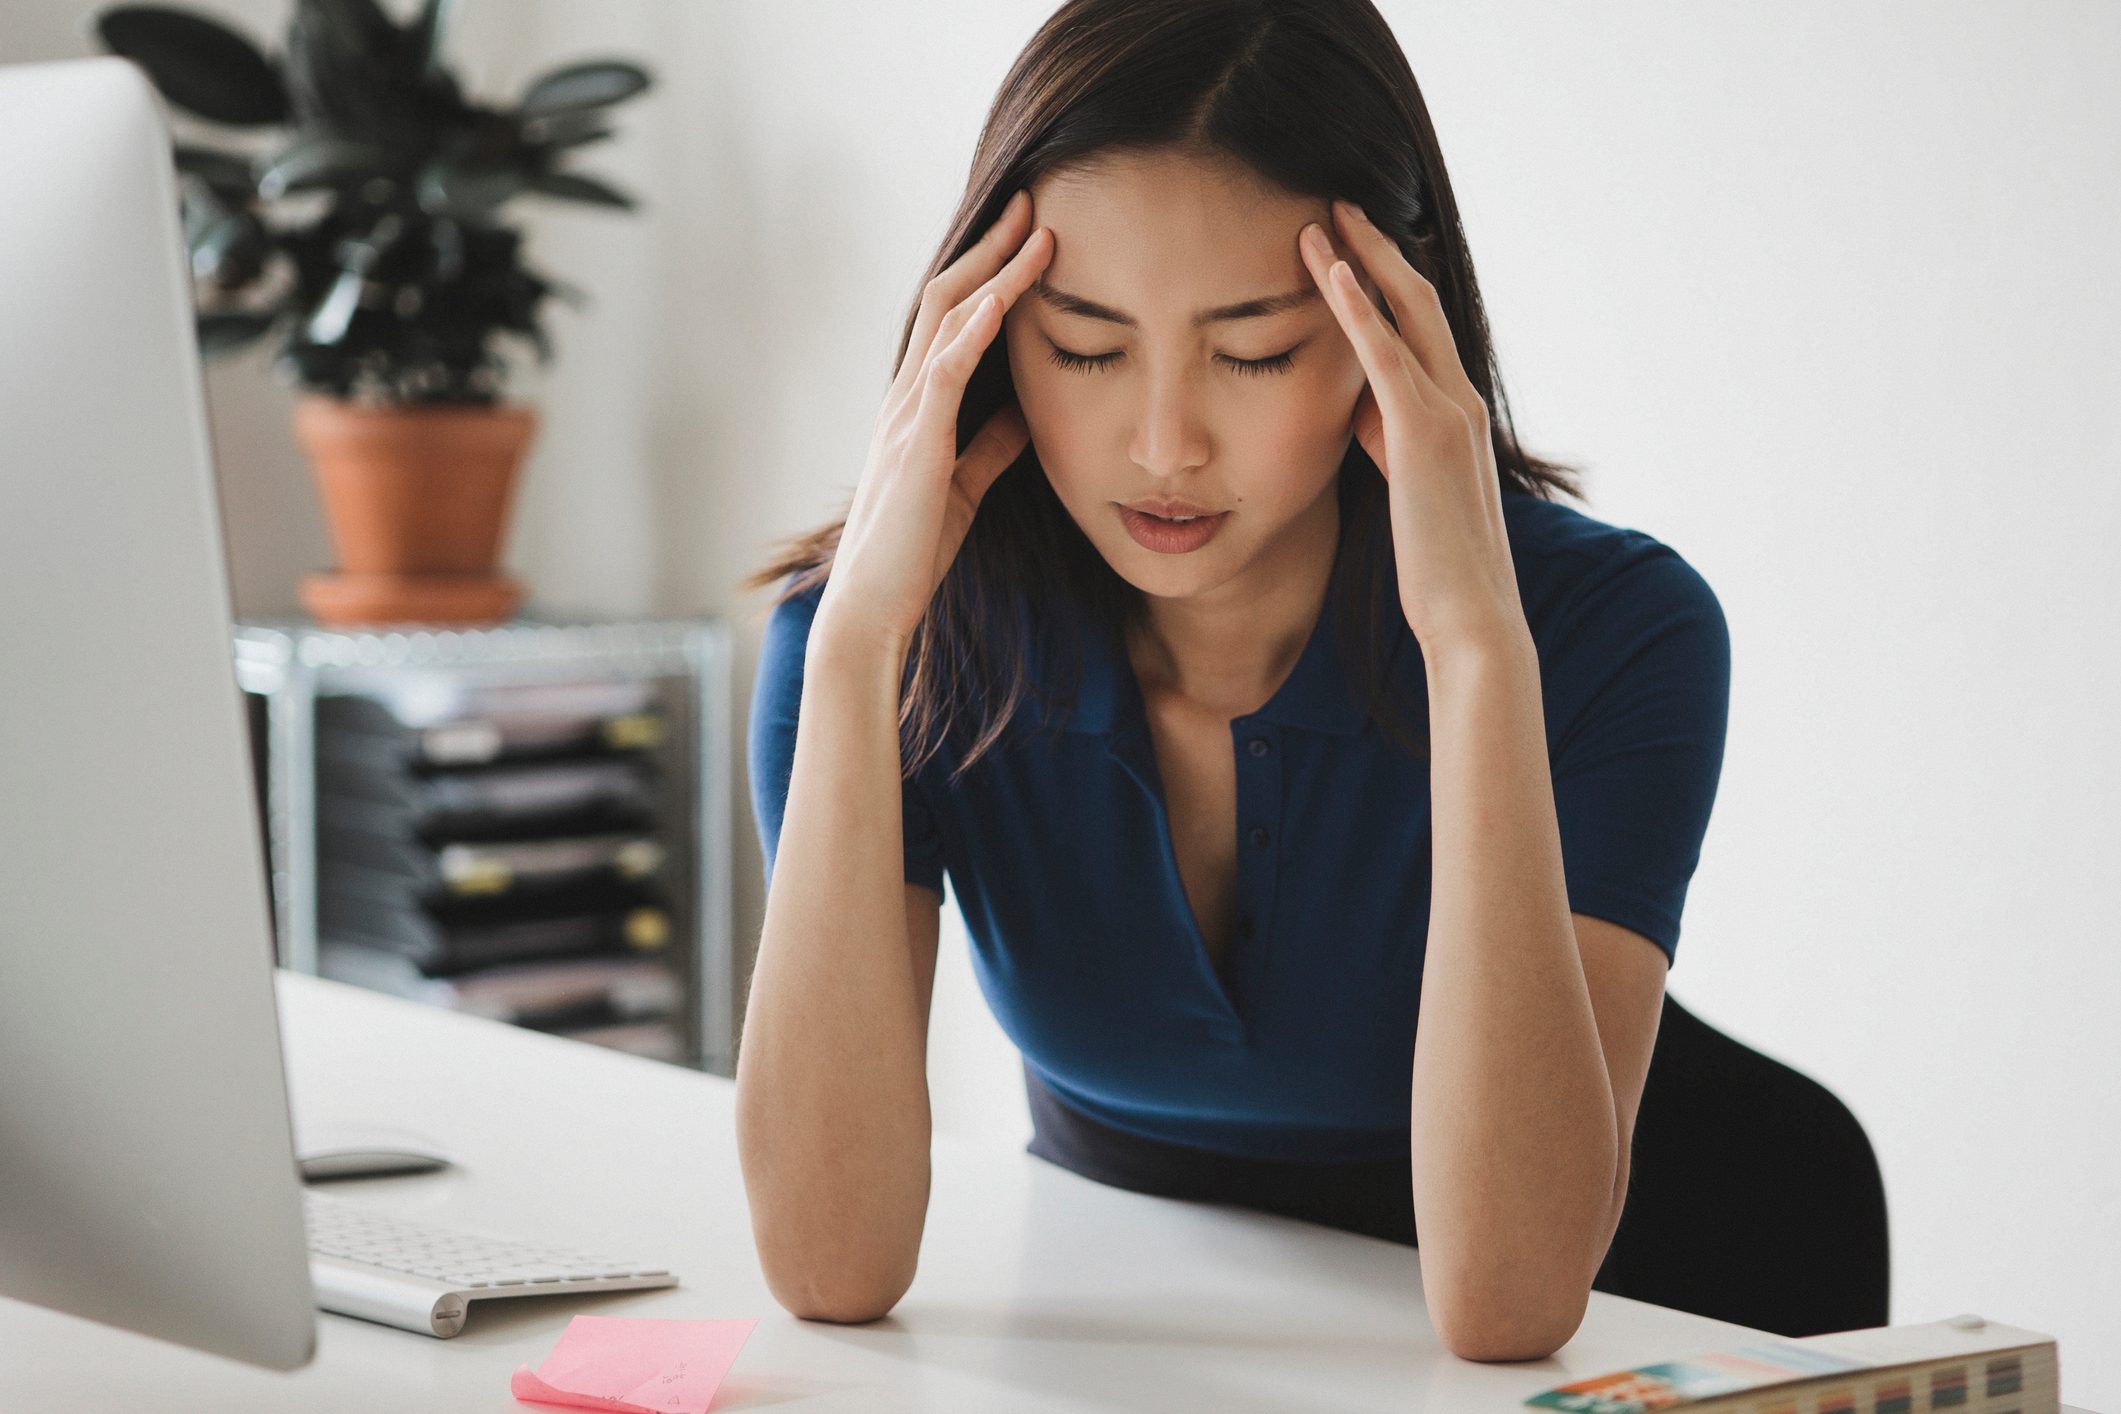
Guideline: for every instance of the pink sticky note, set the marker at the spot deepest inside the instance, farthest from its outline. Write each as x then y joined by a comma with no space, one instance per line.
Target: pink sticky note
635,1366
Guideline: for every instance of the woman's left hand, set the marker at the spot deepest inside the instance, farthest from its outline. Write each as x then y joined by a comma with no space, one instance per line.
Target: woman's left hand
1426,427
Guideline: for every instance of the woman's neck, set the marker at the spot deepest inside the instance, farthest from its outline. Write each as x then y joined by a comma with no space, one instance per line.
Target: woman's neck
1229,649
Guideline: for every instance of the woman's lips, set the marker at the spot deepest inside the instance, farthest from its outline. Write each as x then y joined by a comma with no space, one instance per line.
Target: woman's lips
1170,537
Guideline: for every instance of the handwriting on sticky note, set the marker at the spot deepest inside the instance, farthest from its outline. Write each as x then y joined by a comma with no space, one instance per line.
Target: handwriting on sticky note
633,1366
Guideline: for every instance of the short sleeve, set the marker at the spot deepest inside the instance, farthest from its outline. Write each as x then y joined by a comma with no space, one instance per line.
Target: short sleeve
1640,669
776,696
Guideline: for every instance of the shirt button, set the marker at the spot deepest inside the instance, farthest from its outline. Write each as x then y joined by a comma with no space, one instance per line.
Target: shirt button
1258,746
1259,835
1244,927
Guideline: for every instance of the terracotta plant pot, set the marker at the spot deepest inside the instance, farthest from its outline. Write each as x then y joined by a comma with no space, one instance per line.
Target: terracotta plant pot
416,498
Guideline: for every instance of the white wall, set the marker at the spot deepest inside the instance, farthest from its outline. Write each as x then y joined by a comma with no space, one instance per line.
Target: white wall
1821,294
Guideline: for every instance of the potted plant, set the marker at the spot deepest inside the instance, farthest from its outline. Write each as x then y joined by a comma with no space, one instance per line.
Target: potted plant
366,231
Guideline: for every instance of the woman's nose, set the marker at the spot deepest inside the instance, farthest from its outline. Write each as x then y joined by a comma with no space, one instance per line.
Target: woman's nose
1168,434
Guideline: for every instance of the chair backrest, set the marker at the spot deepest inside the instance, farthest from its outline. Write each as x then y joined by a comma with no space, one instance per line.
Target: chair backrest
1753,1195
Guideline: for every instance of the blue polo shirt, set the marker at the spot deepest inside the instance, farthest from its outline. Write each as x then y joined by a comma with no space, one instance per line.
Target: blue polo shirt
1058,850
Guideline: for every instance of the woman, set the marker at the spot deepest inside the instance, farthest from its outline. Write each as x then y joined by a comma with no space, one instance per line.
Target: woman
1384,743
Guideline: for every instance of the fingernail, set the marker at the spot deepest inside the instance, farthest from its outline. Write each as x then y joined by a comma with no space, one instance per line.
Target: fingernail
1314,240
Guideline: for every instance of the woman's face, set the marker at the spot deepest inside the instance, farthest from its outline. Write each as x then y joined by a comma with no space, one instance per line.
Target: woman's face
1248,415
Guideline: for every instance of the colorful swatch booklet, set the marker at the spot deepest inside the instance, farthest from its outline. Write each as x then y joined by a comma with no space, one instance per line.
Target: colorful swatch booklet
1967,1365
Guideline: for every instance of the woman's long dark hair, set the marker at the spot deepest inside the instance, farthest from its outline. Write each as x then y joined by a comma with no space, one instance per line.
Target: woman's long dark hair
1314,95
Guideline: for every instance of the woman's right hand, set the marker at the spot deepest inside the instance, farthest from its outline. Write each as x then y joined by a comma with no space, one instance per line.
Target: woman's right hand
916,497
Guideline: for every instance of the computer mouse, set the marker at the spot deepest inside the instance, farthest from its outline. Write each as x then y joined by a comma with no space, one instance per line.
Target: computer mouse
366,1161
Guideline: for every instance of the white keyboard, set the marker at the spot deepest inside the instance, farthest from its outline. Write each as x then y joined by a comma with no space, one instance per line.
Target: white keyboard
422,1277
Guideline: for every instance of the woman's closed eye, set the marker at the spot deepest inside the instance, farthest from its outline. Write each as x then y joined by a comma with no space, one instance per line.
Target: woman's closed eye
1091,363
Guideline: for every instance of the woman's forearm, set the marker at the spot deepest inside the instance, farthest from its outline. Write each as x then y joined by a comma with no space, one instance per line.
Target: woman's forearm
832,1105
1515,1145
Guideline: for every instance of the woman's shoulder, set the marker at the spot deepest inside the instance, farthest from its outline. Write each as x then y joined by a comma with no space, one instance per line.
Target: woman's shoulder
791,614
799,607
1609,603
1571,563
782,645
783,649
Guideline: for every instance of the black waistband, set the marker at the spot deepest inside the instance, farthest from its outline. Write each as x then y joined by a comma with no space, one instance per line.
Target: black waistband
1375,1199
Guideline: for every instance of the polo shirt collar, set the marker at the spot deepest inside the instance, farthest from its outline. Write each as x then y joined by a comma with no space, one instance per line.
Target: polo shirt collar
1314,697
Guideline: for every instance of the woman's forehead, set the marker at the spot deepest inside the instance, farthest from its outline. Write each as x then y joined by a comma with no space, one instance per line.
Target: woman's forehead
1161,235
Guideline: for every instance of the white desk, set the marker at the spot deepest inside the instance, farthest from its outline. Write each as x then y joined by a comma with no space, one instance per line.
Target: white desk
1037,1290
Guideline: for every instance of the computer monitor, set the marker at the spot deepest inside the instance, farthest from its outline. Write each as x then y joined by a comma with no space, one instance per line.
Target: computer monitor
147,1170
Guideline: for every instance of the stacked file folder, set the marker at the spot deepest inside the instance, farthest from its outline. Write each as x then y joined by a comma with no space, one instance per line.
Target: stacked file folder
499,848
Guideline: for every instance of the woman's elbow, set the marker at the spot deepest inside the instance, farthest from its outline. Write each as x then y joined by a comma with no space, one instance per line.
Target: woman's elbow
1510,1337
840,1302
853,1313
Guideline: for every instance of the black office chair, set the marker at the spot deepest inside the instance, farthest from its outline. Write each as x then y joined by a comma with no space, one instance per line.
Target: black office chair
1754,1195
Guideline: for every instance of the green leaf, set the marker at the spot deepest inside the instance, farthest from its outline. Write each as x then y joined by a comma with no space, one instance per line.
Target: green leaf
351,70
430,31
360,26
447,187
200,210
576,86
226,174
328,325
365,254
196,63
578,139
560,130
213,243
575,187
321,161
575,296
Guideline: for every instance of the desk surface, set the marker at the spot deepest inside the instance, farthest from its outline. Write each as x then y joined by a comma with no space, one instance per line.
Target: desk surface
1037,1290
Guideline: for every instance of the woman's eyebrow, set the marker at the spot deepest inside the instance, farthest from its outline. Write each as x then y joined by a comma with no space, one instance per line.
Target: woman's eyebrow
1243,309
